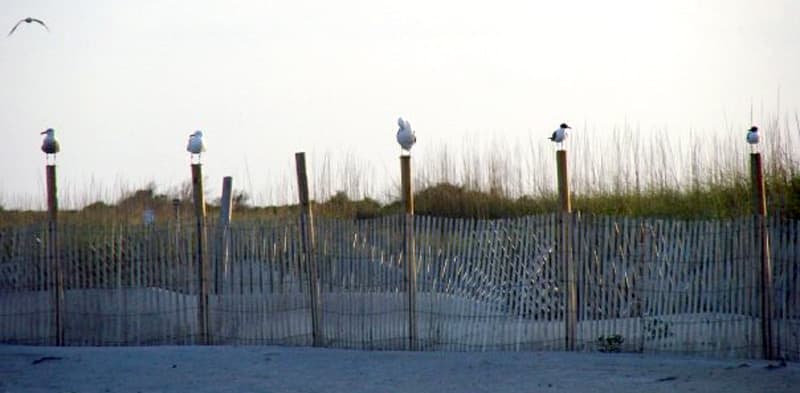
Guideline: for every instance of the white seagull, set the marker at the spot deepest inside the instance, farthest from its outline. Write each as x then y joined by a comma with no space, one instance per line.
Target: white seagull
560,134
50,145
405,135
196,145
27,20
752,135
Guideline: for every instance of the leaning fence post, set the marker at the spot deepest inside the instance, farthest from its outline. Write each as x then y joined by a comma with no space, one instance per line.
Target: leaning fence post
760,211
409,249
52,251
202,254
571,314
309,249
224,233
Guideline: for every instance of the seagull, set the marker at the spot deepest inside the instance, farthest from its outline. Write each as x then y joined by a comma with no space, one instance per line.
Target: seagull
28,20
405,135
560,134
752,135
196,145
50,145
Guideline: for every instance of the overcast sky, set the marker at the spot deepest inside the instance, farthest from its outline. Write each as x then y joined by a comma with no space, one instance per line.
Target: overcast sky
125,82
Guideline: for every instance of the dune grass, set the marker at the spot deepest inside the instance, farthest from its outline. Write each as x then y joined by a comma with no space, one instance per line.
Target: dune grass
628,172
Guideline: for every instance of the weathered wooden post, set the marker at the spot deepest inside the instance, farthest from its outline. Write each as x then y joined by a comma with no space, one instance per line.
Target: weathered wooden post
176,209
202,254
409,249
53,257
226,201
565,254
760,212
176,238
309,250
225,212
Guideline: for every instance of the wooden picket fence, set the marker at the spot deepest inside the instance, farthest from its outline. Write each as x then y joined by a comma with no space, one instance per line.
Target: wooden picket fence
642,285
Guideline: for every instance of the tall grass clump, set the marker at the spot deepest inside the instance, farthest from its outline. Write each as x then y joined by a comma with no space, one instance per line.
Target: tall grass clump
629,172
624,171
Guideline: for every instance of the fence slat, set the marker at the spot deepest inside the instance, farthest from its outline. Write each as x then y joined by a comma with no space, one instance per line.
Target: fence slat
663,285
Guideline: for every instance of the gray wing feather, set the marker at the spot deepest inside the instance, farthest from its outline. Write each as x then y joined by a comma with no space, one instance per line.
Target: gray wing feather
14,28
41,23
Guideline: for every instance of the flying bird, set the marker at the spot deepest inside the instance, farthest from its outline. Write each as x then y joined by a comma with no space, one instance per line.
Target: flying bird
560,134
405,135
196,145
28,20
752,135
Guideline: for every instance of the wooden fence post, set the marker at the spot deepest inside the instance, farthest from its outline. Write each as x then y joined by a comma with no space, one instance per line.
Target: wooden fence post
202,254
760,211
225,213
176,209
571,306
639,282
309,250
226,201
176,238
53,254
409,250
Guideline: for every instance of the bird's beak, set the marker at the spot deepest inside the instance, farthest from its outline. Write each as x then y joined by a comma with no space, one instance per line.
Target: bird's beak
43,132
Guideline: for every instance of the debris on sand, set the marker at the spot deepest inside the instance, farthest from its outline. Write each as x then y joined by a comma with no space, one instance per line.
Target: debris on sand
46,358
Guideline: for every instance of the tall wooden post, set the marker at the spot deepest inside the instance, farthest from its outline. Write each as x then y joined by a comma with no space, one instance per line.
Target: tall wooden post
52,195
222,268
52,254
767,294
565,254
409,250
309,250
202,254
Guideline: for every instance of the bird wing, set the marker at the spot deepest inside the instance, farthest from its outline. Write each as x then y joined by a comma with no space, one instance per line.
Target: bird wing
41,23
15,27
50,145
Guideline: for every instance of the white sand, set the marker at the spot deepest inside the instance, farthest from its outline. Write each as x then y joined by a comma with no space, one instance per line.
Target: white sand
200,369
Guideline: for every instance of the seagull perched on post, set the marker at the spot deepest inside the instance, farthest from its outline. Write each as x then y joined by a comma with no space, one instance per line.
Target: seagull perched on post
560,134
752,135
196,145
27,20
405,135
50,145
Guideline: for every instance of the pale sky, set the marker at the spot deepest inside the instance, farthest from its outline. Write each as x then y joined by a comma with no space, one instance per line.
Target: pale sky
124,83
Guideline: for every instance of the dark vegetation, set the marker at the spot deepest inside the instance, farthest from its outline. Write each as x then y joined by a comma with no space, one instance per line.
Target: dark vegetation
447,200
